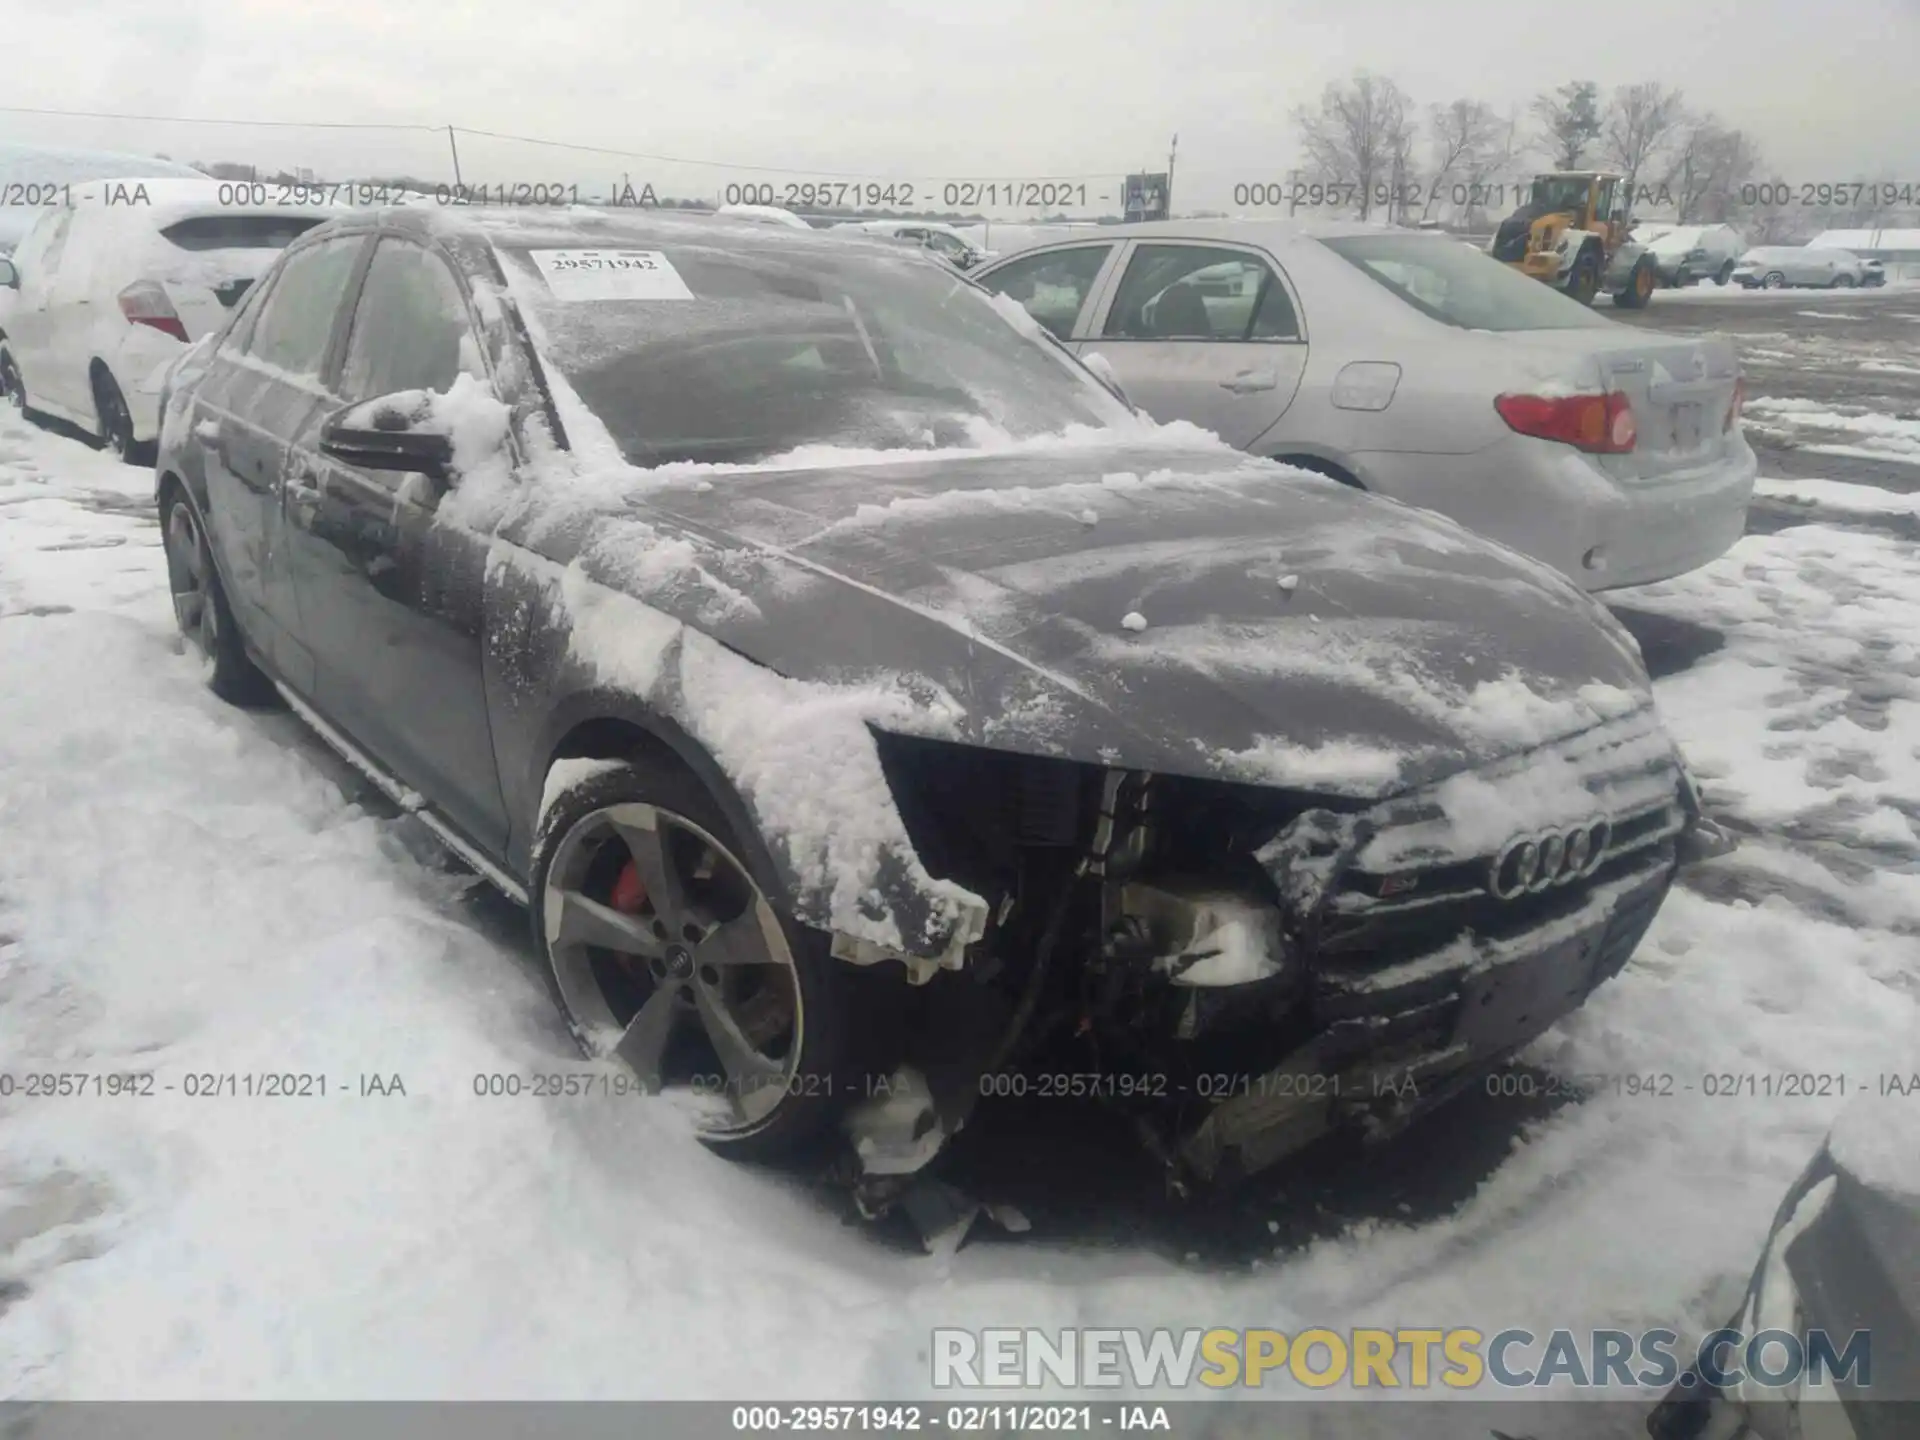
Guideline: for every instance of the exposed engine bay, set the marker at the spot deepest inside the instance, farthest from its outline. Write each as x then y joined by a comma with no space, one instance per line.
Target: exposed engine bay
1243,970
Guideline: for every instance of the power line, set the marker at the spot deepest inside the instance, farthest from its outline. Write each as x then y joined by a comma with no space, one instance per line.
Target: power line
202,120
772,169
804,170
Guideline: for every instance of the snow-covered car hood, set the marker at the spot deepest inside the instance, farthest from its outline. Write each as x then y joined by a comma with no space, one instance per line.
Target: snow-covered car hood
1193,612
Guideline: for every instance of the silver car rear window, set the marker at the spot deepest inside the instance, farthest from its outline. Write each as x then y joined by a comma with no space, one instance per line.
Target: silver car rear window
1459,286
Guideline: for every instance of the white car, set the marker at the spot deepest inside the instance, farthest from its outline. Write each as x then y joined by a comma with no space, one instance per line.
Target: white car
1775,267
945,241
1405,363
109,288
1686,254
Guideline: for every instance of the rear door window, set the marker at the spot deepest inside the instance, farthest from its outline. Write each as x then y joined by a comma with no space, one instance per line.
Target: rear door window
1053,286
1200,292
292,331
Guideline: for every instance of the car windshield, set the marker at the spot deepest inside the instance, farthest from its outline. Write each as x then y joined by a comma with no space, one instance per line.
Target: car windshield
1459,285
747,352
1561,192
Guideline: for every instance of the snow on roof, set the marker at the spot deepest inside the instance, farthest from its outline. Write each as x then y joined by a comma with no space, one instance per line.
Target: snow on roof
764,214
42,163
1867,240
28,165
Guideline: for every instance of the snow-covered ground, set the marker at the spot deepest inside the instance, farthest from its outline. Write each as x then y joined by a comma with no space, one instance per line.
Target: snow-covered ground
186,889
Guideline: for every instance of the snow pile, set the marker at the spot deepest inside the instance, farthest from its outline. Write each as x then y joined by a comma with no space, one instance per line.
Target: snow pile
1876,1140
1813,427
1331,767
1840,496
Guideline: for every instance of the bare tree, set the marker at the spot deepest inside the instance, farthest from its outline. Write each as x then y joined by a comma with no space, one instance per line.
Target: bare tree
1710,173
1488,177
1570,121
1462,136
1641,121
1355,134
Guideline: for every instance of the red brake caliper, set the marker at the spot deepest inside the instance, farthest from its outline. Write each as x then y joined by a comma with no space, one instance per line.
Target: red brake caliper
629,892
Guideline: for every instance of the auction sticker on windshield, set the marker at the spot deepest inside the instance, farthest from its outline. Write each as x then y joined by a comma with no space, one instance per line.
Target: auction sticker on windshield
610,275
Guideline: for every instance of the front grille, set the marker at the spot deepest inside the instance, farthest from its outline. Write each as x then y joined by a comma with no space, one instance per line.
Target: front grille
1424,881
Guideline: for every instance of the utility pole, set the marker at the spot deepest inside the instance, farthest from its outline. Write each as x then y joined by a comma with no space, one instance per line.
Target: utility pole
1172,150
451,145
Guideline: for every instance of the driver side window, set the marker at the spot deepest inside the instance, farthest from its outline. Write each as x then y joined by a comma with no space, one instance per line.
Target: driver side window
410,329
1053,285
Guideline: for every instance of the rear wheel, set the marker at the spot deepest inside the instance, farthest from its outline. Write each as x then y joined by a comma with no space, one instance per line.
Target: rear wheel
667,957
13,390
1583,283
116,422
200,608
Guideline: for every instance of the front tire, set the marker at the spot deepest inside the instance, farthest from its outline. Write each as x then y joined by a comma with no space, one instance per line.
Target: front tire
1724,274
666,956
201,611
1773,280
1843,282
1583,284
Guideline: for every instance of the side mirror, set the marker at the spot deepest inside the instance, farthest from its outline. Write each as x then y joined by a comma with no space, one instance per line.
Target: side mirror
1104,372
391,432
9,275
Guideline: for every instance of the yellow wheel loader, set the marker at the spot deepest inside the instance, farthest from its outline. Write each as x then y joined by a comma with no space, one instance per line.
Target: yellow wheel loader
1572,234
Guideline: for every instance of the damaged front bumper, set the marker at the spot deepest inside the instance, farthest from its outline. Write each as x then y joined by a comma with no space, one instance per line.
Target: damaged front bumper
1428,964
1402,1041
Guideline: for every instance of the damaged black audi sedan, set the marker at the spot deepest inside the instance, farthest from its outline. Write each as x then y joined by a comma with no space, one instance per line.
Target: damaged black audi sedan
867,704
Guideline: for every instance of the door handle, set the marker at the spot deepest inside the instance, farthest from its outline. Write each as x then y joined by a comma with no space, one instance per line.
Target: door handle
1249,381
303,492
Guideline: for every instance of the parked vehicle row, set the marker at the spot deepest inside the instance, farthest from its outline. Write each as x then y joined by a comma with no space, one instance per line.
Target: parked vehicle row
1409,365
1687,254
1778,267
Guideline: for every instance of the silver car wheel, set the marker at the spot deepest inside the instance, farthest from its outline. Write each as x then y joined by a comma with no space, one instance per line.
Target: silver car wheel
188,568
669,958
12,389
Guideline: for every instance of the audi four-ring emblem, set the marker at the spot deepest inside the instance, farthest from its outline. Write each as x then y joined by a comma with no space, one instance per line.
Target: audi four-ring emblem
1528,864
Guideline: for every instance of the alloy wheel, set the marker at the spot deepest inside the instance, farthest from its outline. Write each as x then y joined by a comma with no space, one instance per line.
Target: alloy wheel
189,568
12,390
670,959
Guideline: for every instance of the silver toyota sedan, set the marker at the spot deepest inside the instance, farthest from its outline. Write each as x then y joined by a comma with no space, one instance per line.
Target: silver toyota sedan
1409,364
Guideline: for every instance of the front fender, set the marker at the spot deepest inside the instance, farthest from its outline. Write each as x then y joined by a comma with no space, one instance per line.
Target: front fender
792,763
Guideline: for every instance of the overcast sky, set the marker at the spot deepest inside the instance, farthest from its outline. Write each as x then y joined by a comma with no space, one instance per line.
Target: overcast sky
988,89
